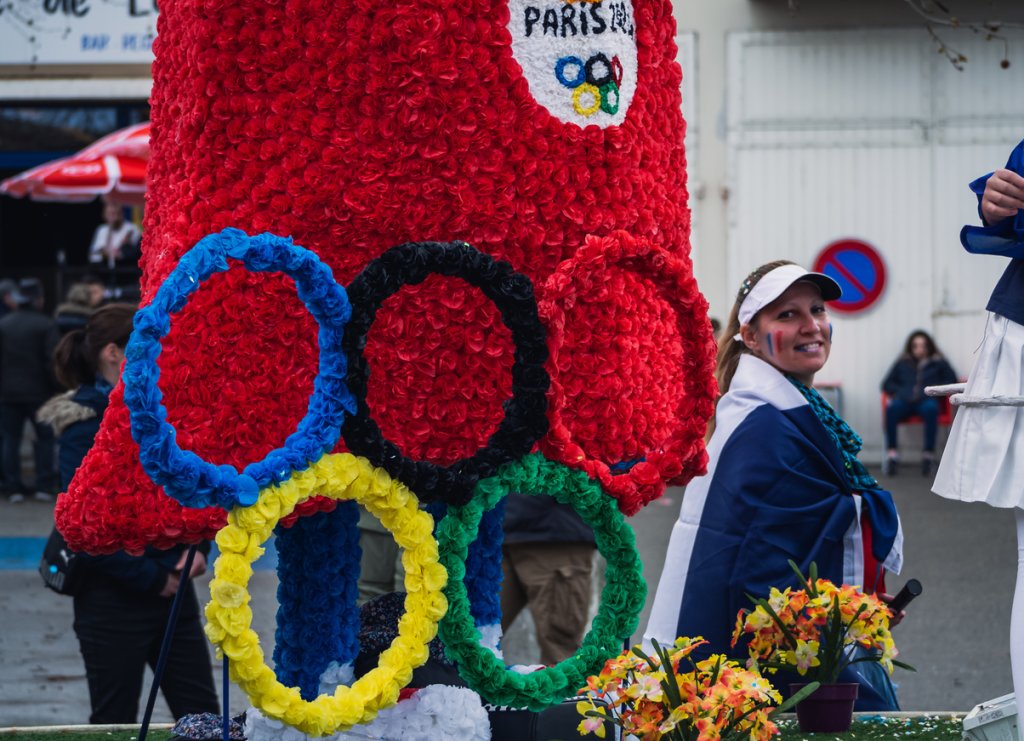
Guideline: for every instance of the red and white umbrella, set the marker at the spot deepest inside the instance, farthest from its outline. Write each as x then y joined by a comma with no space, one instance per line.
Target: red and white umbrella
114,166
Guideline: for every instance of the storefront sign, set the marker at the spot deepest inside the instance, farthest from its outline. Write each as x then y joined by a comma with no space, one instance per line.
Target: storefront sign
77,31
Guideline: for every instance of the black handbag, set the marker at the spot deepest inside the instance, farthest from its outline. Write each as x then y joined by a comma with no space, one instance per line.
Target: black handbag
59,566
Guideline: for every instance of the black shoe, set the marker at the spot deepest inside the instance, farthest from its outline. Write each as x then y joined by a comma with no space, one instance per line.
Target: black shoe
926,466
890,466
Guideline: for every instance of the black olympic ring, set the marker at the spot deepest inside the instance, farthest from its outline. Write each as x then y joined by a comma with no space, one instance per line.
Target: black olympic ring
599,78
525,420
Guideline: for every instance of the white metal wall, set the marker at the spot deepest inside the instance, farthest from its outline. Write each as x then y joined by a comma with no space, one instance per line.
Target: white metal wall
686,55
870,134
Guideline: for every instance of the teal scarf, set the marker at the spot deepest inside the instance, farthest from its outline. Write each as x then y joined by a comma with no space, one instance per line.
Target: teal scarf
847,441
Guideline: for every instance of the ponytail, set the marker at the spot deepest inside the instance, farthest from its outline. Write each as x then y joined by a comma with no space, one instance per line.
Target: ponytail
72,360
77,357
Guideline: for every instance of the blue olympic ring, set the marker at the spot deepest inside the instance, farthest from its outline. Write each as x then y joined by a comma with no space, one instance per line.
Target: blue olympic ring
581,75
185,476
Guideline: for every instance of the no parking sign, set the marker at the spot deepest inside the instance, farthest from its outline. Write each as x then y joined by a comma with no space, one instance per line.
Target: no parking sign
858,269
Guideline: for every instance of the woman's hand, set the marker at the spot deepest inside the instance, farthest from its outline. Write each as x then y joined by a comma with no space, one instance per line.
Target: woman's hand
198,564
171,585
897,618
174,578
1003,196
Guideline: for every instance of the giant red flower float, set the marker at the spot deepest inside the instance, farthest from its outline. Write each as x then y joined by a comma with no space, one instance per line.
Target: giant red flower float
523,127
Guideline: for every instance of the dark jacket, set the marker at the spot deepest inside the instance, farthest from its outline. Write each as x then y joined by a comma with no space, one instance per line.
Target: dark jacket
75,418
533,519
27,340
906,379
71,316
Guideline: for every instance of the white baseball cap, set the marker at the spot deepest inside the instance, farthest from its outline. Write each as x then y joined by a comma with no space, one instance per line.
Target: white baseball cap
775,282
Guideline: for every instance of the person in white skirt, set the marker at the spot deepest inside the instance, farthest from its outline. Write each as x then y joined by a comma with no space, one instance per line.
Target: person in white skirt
984,457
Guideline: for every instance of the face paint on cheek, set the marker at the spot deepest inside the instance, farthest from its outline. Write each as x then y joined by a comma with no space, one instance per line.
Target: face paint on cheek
768,341
830,331
778,340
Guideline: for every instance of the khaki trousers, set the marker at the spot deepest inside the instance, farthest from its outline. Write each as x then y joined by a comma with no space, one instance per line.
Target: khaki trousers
553,579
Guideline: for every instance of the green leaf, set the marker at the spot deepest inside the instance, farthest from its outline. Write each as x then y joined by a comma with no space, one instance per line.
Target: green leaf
668,684
778,621
796,697
641,655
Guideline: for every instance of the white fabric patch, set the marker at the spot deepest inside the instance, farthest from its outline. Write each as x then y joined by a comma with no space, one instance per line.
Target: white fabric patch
334,675
436,711
578,56
490,638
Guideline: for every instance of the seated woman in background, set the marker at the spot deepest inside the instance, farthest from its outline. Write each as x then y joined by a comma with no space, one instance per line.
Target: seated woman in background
920,365
783,479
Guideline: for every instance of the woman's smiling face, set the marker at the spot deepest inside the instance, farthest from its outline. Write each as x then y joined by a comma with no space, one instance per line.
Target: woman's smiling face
793,332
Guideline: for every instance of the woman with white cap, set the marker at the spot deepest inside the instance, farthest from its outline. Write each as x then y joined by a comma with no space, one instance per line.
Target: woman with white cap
783,478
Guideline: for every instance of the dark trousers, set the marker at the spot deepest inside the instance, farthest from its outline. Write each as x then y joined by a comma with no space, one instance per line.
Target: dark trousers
119,633
12,424
898,410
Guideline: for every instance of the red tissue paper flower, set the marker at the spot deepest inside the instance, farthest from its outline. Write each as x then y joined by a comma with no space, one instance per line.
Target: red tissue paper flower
632,367
356,125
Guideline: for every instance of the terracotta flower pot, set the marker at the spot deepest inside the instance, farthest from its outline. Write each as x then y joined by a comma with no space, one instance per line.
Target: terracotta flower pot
829,709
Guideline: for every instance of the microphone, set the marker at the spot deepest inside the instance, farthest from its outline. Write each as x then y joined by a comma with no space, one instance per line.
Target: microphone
910,590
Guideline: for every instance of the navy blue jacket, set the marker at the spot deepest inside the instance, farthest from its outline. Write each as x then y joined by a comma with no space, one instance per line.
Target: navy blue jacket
906,381
146,573
1004,238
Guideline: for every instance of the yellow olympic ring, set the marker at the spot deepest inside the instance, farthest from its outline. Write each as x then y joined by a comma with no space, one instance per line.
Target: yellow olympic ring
229,618
577,99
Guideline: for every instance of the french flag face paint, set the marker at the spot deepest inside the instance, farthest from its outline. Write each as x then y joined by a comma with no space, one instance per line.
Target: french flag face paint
778,340
830,331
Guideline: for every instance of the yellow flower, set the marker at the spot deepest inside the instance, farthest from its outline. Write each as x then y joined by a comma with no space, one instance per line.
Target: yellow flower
803,657
778,600
228,594
232,568
590,724
232,539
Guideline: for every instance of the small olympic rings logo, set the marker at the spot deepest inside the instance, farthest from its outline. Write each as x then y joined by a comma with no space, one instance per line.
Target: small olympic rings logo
595,83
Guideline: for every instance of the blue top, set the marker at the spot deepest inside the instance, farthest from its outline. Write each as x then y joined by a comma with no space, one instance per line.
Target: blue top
1004,238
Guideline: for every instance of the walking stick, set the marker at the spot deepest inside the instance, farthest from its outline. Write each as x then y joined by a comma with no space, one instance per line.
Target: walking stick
165,647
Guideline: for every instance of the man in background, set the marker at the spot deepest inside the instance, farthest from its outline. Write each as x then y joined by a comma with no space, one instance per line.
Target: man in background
27,340
115,240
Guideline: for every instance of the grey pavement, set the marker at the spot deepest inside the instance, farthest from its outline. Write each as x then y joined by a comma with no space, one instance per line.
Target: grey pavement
956,633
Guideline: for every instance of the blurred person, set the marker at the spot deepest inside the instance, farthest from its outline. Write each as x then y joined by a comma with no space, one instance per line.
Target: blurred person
8,289
27,340
122,602
547,563
97,291
115,239
920,365
77,307
7,305
716,327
